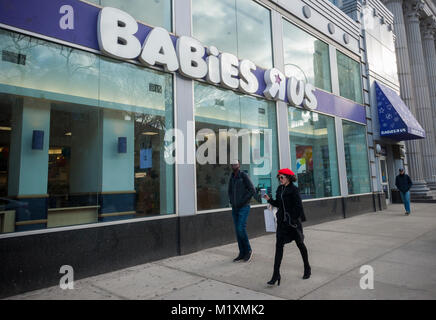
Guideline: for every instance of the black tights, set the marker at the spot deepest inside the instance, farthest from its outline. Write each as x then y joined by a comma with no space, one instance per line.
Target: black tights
279,255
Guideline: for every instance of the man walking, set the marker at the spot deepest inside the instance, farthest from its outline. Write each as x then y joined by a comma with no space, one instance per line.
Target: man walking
240,191
404,183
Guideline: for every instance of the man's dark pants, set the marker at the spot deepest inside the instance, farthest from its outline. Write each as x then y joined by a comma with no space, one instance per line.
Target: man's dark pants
240,220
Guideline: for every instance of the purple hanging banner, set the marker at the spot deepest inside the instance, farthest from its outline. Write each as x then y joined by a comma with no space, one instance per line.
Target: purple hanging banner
44,18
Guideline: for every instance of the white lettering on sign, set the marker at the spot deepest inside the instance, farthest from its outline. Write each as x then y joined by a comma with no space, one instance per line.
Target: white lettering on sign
295,91
190,53
402,130
275,84
116,38
229,64
248,82
301,93
67,20
116,31
213,66
310,102
158,49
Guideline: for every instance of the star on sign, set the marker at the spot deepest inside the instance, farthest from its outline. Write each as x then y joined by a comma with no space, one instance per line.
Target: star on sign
278,79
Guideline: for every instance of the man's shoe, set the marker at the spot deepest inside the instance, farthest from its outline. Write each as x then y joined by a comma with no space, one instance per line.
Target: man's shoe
248,256
238,258
407,213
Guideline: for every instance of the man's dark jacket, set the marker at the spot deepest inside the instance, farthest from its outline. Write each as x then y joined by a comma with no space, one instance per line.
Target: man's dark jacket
241,190
403,182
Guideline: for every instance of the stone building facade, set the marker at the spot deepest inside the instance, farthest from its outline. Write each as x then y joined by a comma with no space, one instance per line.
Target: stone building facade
413,23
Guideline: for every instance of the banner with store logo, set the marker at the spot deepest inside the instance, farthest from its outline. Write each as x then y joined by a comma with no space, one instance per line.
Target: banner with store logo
114,33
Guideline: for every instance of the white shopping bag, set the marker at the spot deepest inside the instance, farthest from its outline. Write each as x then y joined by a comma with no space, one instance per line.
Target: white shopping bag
270,219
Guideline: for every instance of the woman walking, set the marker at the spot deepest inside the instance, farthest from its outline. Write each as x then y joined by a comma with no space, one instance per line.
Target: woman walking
289,216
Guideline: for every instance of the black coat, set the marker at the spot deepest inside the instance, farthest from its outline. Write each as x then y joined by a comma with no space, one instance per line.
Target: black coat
240,190
294,206
403,182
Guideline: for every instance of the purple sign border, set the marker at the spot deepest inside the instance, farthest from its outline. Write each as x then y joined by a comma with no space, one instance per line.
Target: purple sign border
42,17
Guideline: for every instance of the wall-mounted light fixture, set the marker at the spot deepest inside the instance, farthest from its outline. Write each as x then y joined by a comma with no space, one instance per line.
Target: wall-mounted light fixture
122,144
378,149
402,152
38,140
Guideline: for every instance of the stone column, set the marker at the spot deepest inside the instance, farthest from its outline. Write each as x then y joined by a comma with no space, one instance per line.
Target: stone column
413,147
421,88
428,43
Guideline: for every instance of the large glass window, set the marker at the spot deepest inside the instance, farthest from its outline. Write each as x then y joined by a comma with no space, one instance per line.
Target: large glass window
313,153
306,57
240,27
350,82
382,58
156,13
356,157
81,137
248,121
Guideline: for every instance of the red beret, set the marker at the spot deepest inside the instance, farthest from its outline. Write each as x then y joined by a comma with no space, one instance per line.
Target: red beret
287,172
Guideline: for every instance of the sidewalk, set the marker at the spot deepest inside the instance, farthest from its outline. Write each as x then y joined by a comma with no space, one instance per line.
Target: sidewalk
401,249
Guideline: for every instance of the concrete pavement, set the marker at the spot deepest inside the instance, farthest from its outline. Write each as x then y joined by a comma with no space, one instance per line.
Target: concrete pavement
400,249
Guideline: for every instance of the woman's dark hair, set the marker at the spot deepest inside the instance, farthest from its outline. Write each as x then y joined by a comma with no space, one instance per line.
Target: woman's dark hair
290,178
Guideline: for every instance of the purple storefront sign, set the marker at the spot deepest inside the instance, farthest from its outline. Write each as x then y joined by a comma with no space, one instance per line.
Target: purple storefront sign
42,17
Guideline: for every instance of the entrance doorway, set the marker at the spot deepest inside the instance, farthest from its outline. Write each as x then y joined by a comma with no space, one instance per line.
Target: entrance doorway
384,180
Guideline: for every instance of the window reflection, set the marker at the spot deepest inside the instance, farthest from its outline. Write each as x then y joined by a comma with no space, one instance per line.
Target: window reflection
387,65
156,13
240,27
350,82
356,158
81,137
313,153
217,109
306,57
48,68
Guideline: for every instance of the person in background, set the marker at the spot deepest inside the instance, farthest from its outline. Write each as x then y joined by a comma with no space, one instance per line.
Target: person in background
289,218
404,183
240,191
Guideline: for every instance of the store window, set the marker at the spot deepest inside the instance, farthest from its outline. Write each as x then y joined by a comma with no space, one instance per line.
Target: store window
306,57
223,116
350,82
356,157
81,137
240,27
156,13
382,58
313,153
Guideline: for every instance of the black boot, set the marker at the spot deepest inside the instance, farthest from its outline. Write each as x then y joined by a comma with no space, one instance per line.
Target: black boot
307,272
275,277
277,261
305,256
